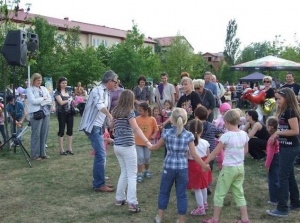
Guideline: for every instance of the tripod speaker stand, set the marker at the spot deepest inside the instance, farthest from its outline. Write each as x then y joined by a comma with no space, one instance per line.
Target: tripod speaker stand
16,138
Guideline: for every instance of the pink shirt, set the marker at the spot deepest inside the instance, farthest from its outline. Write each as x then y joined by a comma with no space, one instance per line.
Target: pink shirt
271,150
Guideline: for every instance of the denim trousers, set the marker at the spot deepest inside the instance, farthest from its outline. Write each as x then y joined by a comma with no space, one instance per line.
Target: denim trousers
168,178
97,141
143,155
288,186
273,179
127,158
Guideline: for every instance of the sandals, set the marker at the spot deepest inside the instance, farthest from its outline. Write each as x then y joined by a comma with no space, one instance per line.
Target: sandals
63,153
210,221
134,208
69,152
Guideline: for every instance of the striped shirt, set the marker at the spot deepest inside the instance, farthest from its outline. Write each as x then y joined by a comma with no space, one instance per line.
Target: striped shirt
123,132
209,133
176,148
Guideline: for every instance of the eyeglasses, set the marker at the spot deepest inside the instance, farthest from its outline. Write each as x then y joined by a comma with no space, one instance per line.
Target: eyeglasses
267,81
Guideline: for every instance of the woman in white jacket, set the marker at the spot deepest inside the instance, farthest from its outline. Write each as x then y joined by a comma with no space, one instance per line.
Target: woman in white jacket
38,99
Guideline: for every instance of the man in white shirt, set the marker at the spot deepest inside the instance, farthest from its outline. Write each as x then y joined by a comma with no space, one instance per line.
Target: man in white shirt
164,91
220,93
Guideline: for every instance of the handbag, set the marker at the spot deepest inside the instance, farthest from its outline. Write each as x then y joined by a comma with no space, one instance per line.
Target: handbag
39,115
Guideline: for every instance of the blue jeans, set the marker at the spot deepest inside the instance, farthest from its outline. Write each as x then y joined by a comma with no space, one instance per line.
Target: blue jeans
97,141
168,177
288,185
273,179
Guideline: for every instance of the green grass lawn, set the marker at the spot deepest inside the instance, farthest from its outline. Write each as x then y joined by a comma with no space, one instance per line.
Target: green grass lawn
60,189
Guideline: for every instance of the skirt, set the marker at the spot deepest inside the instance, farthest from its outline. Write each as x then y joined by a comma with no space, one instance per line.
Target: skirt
198,178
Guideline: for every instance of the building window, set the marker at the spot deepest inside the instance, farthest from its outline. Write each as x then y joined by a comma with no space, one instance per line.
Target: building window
96,42
208,59
104,42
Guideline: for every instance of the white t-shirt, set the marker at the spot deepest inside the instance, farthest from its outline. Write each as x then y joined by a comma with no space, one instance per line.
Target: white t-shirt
201,148
234,147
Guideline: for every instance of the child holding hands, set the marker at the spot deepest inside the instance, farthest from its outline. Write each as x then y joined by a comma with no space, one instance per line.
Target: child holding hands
177,141
235,143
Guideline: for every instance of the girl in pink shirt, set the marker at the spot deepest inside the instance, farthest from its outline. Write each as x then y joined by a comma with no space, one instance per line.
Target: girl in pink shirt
272,162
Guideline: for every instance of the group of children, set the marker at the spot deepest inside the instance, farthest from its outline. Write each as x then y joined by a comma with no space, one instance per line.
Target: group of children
194,171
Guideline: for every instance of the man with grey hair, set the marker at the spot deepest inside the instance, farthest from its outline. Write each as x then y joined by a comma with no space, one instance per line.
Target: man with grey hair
220,93
92,123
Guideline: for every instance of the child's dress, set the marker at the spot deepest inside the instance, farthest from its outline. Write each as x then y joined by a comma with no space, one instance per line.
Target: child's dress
198,178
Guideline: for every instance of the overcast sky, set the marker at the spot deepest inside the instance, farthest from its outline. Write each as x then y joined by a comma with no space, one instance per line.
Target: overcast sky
203,23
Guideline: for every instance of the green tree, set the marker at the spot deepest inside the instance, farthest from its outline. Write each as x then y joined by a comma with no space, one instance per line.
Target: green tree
232,43
131,58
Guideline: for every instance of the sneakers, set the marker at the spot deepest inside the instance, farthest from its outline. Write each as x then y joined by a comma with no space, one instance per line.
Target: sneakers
198,211
147,174
134,208
293,208
139,178
272,203
277,213
157,219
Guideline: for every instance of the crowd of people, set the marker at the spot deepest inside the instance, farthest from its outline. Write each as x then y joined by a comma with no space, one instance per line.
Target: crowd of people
193,121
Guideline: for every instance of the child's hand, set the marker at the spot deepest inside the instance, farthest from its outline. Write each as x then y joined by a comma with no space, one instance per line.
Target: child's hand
110,140
149,145
206,168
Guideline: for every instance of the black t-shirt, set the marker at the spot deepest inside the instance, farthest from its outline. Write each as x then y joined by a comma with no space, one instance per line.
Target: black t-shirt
270,93
189,102
283,125
295,87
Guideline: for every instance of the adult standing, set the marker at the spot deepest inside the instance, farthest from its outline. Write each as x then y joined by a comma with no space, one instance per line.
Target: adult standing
190,100
290,83
115,95
164,91
92,123
64,116
207,98
258,134
38,98
141,91
220,93
288,114
270,93
209,84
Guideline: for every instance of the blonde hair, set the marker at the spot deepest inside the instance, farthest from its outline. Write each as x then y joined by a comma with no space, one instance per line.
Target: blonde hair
239,111
187,80
290,102
34,77
125,105
232,117
179,119
198,83
184,74
267,78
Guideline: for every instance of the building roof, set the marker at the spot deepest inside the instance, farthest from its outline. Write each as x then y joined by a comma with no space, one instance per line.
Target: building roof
87,28
167,41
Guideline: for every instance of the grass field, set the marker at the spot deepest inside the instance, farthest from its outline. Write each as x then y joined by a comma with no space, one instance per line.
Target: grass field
60,189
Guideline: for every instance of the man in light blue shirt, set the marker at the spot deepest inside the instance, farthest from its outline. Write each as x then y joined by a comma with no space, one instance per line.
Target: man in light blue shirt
210,85
92,123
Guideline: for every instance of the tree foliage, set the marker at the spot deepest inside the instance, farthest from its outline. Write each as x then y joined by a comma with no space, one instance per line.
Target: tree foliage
232,43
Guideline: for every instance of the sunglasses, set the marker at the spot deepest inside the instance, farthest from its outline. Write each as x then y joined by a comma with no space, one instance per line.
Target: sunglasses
197,88
267,81
281,92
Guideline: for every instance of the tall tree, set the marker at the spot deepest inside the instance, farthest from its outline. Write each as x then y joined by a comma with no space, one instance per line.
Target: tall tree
131,58
232,43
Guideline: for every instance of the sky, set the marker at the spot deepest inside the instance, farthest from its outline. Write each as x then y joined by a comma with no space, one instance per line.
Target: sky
202,23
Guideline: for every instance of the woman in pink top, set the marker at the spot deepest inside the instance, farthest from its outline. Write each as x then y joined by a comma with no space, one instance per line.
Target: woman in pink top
272,162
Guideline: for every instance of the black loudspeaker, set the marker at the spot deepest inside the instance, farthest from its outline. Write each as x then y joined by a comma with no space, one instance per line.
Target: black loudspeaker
33,42
14,49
